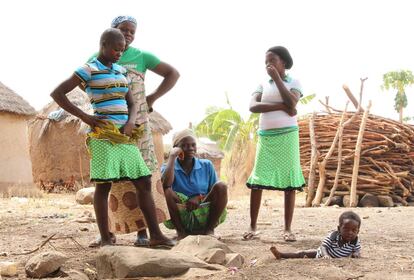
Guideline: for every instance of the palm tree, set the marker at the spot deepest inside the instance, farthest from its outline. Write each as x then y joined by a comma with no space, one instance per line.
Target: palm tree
398,80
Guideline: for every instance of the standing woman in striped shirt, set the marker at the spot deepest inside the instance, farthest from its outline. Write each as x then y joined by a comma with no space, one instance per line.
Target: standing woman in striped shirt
341,243
106,84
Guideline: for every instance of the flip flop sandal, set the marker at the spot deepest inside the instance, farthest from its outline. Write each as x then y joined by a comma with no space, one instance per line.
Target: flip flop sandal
289,237
166,245
142,242
97,242
250,235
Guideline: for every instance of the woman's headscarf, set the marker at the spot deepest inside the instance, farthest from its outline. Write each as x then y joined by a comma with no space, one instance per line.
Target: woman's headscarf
178,136
120,19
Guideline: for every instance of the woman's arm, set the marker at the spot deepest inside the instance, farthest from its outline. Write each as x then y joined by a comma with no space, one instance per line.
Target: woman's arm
290,98
167,177
170,75
132,114
256,106
59,95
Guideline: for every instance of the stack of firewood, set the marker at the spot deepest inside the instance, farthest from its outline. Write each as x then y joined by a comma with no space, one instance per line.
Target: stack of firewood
354,154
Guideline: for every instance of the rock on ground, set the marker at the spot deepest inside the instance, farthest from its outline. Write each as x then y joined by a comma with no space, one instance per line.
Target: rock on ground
115,262
45,263
85,195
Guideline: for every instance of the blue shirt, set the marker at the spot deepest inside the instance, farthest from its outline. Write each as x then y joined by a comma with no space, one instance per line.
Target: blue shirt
202,177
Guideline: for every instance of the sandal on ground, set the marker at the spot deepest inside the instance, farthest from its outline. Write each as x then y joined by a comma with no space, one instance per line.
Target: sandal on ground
142,242
250,235
167,244
97,242
289,237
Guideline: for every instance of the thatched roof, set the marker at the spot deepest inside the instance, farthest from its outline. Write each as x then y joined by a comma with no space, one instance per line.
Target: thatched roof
13,103
209,151
80,99
159,123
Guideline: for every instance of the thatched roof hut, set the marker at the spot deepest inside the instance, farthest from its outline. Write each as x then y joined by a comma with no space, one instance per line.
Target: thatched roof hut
212,152
15,165
58,148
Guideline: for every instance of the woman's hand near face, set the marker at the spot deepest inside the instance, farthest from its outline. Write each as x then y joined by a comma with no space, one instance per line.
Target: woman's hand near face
272,71
177,152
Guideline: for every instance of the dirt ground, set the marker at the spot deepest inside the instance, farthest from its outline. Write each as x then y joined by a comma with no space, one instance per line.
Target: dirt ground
386,235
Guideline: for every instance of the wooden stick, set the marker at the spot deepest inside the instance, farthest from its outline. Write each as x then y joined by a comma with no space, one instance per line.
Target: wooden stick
38,248
314,161
351,96
360,93
338,168
353,194
322,165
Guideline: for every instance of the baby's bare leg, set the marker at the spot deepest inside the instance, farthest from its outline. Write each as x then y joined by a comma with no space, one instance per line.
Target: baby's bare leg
297,255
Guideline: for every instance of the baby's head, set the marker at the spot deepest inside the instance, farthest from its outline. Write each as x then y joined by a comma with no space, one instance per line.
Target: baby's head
349,224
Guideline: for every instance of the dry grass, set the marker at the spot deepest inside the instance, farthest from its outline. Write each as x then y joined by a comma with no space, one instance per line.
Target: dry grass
28,191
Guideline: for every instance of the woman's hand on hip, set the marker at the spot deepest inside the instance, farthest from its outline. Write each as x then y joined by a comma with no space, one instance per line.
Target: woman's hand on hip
94,121
127,129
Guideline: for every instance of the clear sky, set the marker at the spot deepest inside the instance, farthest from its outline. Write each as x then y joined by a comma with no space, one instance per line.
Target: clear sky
217,46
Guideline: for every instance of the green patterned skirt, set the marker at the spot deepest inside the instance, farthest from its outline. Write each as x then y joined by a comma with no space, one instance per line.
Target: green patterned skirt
277,163
195,220
115,162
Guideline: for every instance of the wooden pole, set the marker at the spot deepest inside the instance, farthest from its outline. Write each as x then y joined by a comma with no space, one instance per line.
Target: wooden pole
322,165
353,194
338,168
314,161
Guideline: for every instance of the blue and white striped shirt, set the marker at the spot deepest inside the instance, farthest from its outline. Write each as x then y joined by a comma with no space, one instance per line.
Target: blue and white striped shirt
106,88
334,250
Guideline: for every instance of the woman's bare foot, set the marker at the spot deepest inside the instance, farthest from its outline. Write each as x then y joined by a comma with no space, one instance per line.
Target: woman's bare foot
275,252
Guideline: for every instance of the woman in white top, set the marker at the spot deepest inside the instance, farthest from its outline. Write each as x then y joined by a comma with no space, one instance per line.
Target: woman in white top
277,163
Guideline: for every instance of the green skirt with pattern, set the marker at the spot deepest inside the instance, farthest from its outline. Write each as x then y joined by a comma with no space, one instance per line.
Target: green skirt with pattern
115,162
195,220
277,163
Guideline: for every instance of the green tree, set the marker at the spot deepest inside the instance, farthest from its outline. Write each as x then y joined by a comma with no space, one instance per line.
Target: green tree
307,99
399,81
226,126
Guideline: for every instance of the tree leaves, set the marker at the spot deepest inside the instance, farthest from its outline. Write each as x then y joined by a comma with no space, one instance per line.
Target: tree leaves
399,81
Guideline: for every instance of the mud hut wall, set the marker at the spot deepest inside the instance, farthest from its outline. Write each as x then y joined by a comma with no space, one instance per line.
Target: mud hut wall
15,163
159,147
60,154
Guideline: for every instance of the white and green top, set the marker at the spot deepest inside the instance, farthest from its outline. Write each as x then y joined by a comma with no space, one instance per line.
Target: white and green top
270,93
